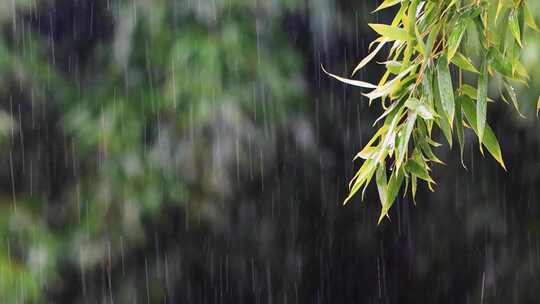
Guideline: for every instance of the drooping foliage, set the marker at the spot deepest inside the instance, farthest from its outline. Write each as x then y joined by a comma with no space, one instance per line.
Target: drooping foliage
441,58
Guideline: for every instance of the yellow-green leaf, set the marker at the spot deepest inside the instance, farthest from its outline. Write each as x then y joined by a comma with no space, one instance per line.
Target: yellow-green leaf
529,18
459,128
369,57
481,104
402,148
382,184
490,140
513,24
353,82
446,89
463,63
454,40
538,106
417,169
396,179
390,32
387,4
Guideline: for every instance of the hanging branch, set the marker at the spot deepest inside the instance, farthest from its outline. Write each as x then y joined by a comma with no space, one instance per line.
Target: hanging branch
418,94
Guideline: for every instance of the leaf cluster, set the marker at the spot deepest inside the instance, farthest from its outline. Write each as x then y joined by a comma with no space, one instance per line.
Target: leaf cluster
441,56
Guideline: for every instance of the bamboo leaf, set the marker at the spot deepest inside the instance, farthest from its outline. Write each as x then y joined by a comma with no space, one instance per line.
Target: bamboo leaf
369,57
454,40
387,4
417,169
382,184
513,24
459,128
367,170
356,83
390,32
394,184
513,96
402,147
421,108
446,90
529,18
481,105
463,63
538,106
490,140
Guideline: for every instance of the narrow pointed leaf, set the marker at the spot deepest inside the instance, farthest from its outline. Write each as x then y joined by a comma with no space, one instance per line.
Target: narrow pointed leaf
464,63
529,18
481,104
538,107
446,91
394,184
490,140
454,40
369,57
353,82
390,32
417,169
513,24
459,128
387,4
382,184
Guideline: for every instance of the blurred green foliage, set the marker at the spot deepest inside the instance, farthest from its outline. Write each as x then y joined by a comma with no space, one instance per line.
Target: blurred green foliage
166,68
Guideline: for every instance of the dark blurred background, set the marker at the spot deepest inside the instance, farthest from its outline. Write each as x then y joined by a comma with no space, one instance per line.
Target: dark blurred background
192,151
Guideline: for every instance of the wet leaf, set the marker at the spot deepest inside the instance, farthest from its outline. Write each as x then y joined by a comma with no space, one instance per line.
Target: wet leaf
418,169
464,63
481,105
529,18
446,90
390,32
387,4
356,83
454,41
513,24
394,184
490,140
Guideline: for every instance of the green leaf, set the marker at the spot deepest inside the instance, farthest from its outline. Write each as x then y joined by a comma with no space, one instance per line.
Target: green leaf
418,169
421,108
513,96
454,40
513,24
538,106
442,120
414,186
389,87
529,18
497,61
387,4
463,63
396,180
365,172
369,57
402,147
490,140
390,32
446,90
393,67
459,128
377,135
421,141
382,184
481,105
356,83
